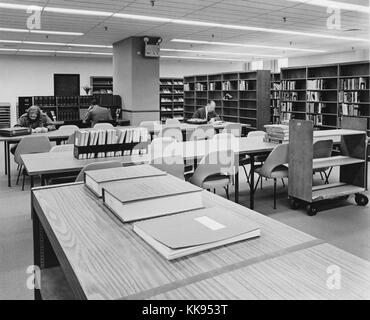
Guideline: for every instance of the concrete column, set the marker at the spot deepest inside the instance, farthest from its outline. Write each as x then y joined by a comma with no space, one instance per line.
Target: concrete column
136,80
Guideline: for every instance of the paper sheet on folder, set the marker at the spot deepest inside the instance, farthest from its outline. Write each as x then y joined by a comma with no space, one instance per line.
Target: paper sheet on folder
196,228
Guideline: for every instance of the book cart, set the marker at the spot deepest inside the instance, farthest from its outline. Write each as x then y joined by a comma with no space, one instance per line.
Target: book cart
352,163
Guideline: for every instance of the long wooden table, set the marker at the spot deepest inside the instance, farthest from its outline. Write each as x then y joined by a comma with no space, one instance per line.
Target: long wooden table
101,258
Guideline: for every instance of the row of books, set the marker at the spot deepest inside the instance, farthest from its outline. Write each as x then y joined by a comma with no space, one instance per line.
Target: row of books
68,115
245,85
200,87
275,95
286,106
157,204
353,84
316,119
285,118
350,110
348,97
314,96
111,137
277,133
314,107
293,96
187,87
276,86
228,86
275,103
44,101
317,84
288,85
212,86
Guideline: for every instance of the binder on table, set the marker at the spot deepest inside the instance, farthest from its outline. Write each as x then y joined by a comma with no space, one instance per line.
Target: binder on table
96,178
192,232
144,198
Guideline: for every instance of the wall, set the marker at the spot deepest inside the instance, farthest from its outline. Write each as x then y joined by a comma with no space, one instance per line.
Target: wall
33,76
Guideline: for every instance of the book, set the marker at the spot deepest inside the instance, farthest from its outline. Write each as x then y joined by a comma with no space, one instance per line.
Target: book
96,178
150,197
192,232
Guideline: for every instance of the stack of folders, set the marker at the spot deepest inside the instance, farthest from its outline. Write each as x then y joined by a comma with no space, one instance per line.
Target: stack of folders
191,232
144,198
95,179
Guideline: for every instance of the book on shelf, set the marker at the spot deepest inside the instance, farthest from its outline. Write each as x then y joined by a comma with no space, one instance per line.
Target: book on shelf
314,96
312,107
95,179
150,197
317,84
358,83
350,110
316,119
196,231
349,97
288,85
243,85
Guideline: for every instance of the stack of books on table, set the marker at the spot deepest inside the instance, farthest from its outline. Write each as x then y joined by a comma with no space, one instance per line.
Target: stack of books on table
168,213
277,133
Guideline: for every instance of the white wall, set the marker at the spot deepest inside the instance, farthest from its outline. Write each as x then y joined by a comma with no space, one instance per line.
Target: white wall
34,76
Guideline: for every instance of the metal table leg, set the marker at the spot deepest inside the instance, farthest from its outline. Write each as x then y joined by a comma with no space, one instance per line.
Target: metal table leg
237,187
5,158
8,164
251,199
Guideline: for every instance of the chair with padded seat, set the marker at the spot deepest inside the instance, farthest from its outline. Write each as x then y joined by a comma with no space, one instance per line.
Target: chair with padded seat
274,166
97,166
28,145
103,126
215,171
323,149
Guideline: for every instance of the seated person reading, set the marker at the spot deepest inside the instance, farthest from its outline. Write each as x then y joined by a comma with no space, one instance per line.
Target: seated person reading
35,119
97,114
208,112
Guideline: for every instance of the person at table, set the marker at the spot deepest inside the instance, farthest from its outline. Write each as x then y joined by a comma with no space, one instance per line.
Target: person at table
208,112
35,119
97,114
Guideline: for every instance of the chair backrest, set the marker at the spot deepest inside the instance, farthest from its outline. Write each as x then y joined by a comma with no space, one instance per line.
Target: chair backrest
203,132
322,149
97,166
31,144
71,139
214,163
234,129
256,134
173,132
278,156
68,127
173,122
103,126
63,148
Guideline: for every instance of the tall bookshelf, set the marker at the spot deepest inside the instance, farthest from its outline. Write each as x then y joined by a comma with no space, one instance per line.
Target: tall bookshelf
171,98
275,98
325,94
69,108
242,97
101,85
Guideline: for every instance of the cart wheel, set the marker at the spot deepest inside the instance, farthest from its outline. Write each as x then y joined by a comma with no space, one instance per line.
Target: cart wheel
312,210
294,203
361,199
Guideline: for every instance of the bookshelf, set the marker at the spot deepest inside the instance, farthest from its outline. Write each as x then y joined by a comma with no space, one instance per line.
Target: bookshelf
275,98
101,85
242,97
325,94
69,108
171,99
4,115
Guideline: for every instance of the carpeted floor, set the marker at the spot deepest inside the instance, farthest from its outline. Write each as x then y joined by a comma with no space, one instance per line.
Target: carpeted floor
342,224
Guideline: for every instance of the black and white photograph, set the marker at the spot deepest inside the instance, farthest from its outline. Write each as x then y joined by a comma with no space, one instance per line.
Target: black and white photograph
186,156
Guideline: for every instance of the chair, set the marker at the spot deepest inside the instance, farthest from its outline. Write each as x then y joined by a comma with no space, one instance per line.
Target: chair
323,149
97,166
204,132
152,126
256,134
275,166
68,127
233,128
214,172
166,154
172,132
103,126
172,122
28,145
63,148
71,139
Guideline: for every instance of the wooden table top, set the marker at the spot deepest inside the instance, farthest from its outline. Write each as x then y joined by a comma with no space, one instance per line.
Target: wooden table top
104,259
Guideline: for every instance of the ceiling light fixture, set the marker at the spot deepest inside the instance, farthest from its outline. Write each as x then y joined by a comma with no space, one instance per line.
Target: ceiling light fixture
190,22
220,52
335,4
41,32
201,58
57,44
231,44
63,51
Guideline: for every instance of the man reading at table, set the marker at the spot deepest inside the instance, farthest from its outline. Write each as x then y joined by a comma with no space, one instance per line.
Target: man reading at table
97,114
208,112
35,119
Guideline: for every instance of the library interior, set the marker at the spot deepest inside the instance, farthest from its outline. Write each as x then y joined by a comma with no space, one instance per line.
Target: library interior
184,150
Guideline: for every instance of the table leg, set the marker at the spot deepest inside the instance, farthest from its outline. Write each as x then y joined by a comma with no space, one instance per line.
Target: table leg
37,245
251,199
8,164
237,187
5,158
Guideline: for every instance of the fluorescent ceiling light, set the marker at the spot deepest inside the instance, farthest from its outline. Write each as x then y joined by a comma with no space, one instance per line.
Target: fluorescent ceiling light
231,44
221,52
41,32
63,51
6,49
335,4
19,6
190,22
57,44
202,58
